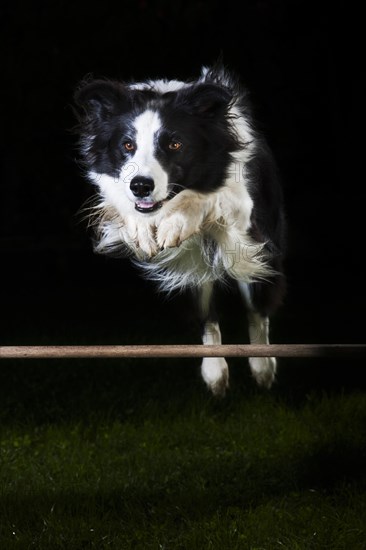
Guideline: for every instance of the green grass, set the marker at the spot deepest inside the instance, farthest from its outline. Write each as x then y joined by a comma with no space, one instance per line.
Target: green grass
138,455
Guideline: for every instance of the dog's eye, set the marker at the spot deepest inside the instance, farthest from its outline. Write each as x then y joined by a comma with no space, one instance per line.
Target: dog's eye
175,145
129,146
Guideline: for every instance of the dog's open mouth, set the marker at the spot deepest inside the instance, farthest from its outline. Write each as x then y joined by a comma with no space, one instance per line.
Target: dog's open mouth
148,206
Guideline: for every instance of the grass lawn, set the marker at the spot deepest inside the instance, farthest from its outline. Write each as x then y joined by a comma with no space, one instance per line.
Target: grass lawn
138,455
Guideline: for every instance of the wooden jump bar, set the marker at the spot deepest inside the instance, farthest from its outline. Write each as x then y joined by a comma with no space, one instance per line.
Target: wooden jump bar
180,351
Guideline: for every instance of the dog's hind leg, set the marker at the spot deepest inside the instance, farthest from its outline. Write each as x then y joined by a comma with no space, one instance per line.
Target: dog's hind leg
214,370
261,299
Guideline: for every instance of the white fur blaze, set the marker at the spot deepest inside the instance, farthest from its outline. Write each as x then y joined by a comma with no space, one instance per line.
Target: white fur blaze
144,162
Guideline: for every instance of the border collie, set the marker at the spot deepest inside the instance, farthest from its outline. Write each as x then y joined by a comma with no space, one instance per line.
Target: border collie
189,189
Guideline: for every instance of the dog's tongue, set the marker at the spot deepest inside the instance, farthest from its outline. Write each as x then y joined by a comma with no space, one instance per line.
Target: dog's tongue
145,204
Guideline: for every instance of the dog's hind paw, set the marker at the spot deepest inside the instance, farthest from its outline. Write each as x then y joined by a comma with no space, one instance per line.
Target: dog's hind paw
263,370
215,372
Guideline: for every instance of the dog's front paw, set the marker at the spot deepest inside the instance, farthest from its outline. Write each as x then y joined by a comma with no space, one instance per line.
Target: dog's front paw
176,228
140,237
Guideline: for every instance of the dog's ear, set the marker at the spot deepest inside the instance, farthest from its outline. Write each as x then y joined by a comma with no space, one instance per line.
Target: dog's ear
100,98
206,99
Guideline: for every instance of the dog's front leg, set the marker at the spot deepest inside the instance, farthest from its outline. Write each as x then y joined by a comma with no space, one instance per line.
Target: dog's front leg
182,217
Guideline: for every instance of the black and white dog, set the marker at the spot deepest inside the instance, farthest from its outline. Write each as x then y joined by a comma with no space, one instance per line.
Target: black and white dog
189,189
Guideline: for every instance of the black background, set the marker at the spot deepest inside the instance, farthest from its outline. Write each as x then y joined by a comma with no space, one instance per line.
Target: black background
304,66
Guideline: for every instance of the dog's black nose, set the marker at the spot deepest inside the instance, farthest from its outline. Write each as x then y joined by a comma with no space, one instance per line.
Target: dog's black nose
142,186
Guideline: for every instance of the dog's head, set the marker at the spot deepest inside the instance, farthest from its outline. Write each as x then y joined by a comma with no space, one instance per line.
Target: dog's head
143,143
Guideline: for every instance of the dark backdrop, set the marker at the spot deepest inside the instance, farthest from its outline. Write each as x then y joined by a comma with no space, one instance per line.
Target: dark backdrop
303,64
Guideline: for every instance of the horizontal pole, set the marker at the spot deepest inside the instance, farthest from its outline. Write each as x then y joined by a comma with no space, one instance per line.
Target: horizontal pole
180,351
